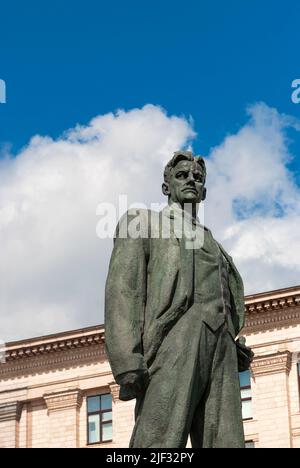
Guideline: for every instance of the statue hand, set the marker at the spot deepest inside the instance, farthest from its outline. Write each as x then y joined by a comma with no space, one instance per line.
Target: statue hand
244,353
133,384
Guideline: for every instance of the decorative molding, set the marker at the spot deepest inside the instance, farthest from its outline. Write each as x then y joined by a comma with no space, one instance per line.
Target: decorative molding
275,318
58,401
53,347
272,304
272,364
10,411
271,310
45,362
114,390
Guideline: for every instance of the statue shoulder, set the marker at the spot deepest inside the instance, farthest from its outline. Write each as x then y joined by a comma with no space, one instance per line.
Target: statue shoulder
225,253
134,223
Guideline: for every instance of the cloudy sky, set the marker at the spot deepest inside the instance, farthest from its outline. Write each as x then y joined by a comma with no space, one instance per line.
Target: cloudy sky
212,77
53,266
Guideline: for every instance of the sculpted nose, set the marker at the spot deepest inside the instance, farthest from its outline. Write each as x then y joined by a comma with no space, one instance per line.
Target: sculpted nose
191,178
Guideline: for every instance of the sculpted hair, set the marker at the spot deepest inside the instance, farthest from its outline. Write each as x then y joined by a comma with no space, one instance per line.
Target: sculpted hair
182,156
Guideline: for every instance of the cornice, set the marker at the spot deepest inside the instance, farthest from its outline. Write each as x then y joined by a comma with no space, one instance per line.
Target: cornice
262,314
272,364
55,346
272,304
45,361
87,331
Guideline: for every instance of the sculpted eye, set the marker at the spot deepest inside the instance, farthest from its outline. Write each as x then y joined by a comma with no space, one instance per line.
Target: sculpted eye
198,177
181,175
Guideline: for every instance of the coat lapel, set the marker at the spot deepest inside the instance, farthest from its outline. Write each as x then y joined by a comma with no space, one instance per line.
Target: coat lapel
175,214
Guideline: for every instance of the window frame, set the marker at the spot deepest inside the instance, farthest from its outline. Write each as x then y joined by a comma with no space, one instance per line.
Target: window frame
101,422
247,387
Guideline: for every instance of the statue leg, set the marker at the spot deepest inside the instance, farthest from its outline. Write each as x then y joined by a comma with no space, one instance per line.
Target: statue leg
165,414
217,421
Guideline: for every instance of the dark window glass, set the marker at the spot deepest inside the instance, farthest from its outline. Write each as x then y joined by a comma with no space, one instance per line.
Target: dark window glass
93,404
245,379
106,402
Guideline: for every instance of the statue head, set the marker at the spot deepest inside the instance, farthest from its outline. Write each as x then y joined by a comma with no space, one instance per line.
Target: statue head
184,178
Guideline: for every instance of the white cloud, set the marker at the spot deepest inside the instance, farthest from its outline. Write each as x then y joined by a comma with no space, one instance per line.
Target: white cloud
254,203
53,267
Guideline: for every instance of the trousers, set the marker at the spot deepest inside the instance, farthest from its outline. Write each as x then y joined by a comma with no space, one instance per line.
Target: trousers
193,390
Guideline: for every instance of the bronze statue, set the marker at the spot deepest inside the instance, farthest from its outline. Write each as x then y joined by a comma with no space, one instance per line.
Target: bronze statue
174,308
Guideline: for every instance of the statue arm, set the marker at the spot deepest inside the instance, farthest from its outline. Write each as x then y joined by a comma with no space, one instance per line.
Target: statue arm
244,353
125,298
237,290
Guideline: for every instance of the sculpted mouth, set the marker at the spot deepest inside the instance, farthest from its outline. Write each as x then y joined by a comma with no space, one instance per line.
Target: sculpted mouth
190,189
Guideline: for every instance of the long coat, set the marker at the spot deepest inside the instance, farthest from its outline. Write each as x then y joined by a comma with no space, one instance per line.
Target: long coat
149,287
154,322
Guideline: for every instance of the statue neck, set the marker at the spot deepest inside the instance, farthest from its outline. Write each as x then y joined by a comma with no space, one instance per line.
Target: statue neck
190,209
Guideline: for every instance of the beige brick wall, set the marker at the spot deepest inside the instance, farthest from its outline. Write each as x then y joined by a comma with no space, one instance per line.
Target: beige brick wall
39,425
8,434
275,390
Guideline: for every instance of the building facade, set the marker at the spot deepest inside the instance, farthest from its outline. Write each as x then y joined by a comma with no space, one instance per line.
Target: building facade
58,390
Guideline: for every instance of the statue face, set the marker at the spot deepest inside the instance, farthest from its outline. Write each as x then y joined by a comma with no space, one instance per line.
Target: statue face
187,183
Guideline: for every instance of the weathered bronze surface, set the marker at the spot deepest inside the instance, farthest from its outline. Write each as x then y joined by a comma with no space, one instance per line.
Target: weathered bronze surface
174,307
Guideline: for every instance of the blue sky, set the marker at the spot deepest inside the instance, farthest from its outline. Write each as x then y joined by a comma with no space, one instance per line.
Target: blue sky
65,62
199,65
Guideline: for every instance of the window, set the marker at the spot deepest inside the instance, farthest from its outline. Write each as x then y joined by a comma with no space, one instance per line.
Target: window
249,444
245,384
99,411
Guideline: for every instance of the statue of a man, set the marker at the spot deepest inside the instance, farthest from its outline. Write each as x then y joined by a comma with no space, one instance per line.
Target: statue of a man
172,314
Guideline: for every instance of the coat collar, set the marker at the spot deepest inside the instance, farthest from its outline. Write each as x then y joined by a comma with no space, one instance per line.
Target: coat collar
183,226
174,211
